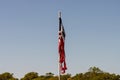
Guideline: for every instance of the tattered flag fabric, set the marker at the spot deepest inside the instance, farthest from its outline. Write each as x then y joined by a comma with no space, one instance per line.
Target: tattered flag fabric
61,44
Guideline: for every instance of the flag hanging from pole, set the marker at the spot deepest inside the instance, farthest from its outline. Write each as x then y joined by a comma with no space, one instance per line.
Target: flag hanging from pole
61,46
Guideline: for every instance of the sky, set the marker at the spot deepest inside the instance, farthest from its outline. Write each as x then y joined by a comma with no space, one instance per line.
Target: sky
29,35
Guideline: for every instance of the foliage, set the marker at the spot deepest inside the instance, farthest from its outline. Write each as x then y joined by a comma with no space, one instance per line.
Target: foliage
7,76
94,73
30,76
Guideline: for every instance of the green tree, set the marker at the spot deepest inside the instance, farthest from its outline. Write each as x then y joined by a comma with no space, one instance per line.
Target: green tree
54,78
65,77
93,73
7,76
49,74
95,70
78,77
30,76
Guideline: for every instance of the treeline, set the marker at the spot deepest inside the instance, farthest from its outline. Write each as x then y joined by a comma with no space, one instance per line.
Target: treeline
93,73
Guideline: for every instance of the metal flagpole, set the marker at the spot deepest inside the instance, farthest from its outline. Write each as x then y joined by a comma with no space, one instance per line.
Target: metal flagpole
59,70
59,73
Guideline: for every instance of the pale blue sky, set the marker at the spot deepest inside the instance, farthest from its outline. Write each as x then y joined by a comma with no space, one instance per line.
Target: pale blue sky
29,35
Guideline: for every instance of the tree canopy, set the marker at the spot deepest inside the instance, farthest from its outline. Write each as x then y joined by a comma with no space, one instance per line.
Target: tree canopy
93,73
7,76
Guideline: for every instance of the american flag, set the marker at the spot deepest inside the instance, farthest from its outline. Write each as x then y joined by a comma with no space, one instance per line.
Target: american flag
61,46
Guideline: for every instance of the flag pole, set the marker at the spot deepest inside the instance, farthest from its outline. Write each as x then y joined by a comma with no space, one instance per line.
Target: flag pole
59,73
59,70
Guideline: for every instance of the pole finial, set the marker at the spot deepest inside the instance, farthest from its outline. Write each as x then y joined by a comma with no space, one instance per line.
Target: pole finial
59,14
